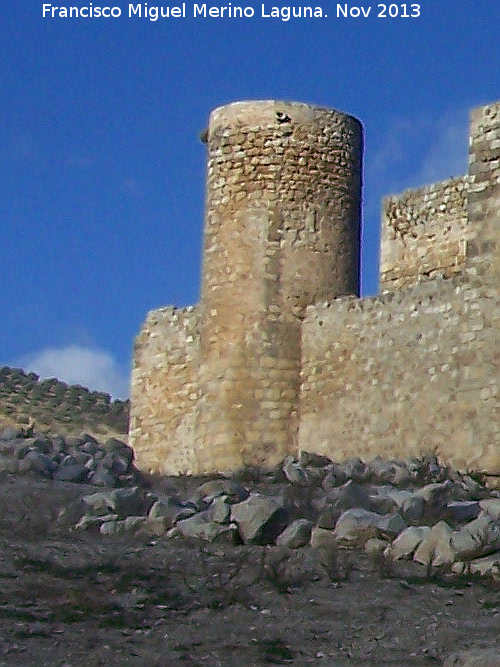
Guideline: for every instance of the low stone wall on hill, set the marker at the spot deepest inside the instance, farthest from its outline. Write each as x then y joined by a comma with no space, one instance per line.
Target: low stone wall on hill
56,407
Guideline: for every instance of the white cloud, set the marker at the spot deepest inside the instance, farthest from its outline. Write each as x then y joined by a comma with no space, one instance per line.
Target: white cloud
418,151
448,153
76,364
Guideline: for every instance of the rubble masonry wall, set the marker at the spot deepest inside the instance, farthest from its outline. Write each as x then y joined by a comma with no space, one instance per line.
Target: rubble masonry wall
281,232
404,374
424,234
165,390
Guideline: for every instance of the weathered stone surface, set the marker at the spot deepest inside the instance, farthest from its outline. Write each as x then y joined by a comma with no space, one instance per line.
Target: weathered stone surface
328,517
477,538
356,470
334,477
461,511
435,497
201,527
491,506
297,534
220,510
89,521
295,472
233,491
280,345
322,538
40,463
407,542
436,547
488,566
351,494
122,502
71,473
382,471
474,657
314,460
171,509
375,546
55,406
358,525
101,476
259,518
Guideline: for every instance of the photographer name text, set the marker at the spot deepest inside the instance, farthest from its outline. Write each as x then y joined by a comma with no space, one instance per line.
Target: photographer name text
155,13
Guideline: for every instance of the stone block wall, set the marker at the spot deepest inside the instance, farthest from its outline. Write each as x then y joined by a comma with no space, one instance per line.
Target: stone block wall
424,234
165,390
404,374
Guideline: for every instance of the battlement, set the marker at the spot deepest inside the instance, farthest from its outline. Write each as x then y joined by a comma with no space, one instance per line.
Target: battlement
281,353
424,234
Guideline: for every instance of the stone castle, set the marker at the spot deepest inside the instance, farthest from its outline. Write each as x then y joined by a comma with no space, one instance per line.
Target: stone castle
281,354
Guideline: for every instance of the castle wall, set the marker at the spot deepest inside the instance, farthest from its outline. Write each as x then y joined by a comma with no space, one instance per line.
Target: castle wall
404,374
271,360
418,369
165,391
483,251
282,231
424,234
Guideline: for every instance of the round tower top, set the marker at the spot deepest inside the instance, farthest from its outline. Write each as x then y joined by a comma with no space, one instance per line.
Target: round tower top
272,112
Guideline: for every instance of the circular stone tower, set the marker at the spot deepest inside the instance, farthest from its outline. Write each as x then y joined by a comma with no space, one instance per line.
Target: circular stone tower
282,232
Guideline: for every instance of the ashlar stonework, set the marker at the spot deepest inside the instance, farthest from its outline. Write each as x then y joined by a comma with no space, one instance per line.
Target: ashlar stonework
281,353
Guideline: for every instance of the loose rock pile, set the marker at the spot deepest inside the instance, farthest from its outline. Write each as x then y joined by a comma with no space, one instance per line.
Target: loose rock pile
414,509
67,458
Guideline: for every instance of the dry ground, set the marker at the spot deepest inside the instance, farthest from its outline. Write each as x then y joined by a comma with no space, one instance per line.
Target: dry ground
82,599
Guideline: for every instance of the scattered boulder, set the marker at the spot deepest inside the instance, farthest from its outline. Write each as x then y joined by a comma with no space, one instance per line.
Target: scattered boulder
110,464
489,566
260,518
491,506
477,538
171,509
201,527
349,495
382,471
75,472
435,497
233,491
356,470
297,534
295,473
313,460
375,546
335,476
407,542
436,547
460,511
220,510
358,525
321,538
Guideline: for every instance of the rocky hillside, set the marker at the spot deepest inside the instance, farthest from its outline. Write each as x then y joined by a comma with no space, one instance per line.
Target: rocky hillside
56,407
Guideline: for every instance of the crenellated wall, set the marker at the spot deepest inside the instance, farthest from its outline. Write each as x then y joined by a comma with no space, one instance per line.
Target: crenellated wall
418,368
276,357
424,234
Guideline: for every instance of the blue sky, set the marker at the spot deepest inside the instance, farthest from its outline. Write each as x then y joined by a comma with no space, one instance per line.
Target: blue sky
102,170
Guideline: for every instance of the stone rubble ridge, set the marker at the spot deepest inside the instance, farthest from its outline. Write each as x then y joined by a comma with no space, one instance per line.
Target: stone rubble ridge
56,406
417,509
